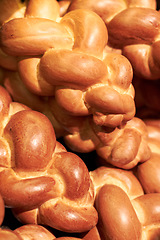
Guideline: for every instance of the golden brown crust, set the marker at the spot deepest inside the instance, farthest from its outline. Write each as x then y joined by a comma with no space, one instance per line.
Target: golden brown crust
138,219
109,9
124,210
30,232
78,64
122,147
132,27
118,218
119,177
40,180
33,231
27,232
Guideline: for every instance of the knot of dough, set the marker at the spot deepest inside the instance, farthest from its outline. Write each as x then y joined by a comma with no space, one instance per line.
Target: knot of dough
40,180
66,57
133,26
122,147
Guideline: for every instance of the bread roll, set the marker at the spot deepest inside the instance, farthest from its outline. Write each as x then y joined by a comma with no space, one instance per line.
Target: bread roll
40,181
61,59
133,28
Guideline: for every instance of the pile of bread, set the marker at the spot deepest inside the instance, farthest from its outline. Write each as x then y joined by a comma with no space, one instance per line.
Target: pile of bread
80,119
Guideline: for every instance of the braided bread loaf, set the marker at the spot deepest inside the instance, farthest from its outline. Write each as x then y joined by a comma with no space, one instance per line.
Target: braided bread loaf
39,179
133,26
61,59
83,135
125,212
122,147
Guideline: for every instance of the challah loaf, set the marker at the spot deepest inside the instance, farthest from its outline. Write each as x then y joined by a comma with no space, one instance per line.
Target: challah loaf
133,26
122,147
81,134
39,179
63,61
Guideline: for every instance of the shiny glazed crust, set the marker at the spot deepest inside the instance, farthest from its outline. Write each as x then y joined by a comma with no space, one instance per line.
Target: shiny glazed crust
85,91
40,180
125,212
133,27
66,60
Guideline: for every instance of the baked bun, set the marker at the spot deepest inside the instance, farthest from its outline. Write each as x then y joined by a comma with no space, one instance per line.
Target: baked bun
122,147
81,134
40,181
63,62
133,27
